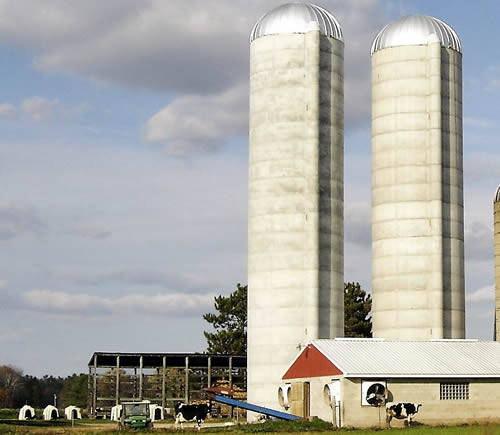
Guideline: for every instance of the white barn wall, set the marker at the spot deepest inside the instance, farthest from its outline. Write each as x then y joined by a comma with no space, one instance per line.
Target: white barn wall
483,405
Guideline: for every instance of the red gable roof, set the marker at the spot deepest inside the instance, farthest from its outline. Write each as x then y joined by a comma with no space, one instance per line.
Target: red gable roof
311,363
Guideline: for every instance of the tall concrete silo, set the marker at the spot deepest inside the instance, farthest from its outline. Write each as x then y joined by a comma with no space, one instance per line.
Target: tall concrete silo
496,229
295,222
417,181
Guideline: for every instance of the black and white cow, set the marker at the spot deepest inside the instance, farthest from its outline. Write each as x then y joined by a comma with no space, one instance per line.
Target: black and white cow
400,411
185,413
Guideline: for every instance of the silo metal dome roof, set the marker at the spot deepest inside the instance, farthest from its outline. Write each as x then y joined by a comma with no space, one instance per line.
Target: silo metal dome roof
416,30
497,194
296,18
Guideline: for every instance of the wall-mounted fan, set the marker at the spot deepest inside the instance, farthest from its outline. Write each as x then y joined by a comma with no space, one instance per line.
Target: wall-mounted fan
373,393
284,395
331,392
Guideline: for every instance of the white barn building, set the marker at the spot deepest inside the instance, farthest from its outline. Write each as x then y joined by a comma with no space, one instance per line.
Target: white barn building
456,381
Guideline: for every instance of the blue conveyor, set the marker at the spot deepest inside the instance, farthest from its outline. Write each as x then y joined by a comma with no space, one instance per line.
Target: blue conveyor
255,408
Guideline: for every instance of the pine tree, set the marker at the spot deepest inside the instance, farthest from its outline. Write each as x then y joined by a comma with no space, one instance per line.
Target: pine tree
357,307
230,323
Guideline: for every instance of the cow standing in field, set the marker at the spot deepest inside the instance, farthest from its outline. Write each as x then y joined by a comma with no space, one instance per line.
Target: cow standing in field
400,411
185,413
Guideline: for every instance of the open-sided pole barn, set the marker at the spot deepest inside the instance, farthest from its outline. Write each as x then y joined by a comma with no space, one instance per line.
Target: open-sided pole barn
162,378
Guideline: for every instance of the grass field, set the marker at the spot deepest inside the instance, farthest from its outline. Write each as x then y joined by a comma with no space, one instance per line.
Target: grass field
88,427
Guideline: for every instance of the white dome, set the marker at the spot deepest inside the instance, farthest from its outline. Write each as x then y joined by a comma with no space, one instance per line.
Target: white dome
416,30
296,18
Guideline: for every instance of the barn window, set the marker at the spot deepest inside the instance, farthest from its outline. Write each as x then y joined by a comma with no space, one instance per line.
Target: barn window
454,391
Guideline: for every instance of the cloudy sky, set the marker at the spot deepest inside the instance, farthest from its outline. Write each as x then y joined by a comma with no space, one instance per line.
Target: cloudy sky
123,166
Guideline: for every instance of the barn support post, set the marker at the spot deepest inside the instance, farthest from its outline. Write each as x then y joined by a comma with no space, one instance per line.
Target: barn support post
230,368
141,361
209,369
186,381
89,392
164,374
94,388
135,384
117,389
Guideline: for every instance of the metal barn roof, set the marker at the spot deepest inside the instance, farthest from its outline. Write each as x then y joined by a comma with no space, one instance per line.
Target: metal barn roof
413,359
172,359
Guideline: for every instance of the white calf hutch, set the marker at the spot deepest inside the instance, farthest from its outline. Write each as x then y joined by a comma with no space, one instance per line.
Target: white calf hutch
72,413
156,412
116,412
50,412
26,413
341,381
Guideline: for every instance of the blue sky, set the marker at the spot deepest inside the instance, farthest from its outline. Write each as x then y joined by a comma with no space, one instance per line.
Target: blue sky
123,166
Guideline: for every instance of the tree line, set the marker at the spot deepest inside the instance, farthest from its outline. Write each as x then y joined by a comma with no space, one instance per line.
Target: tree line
17,389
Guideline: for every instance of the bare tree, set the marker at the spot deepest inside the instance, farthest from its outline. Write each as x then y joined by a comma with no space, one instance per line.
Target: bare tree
10,382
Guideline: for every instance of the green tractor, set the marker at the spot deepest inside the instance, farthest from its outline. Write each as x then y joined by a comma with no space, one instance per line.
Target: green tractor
135,415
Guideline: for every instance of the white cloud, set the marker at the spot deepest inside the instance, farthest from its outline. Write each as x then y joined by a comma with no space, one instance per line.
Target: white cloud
9,336
39,108
190,50
482,294
2,284
357,222
478,241
493,78
90,231
164,215
482,169
148,278
196,123
75,111
200,122
173,45
171,303
478,123
6,110
18,218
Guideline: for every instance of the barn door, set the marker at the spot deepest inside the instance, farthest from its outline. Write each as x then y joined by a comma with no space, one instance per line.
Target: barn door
307,400
300,399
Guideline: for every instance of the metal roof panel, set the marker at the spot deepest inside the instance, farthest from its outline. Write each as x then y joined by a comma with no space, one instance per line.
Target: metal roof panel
443,358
